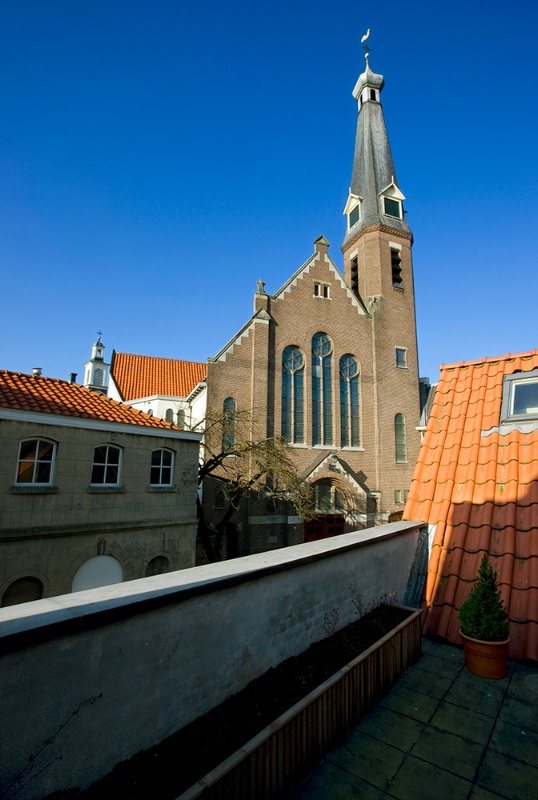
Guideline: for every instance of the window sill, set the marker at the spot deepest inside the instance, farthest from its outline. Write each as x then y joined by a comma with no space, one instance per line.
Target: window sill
161,489
105,489
350,449
33,489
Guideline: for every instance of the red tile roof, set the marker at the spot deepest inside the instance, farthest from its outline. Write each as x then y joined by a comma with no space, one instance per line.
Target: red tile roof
53,396
481,493
145,376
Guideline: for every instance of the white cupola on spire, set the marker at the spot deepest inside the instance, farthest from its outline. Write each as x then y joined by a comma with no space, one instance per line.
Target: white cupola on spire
96,370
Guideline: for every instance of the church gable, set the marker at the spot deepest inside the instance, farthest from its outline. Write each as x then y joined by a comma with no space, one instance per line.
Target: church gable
320,279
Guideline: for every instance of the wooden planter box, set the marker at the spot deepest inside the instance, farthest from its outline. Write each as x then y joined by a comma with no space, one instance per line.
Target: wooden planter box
277,759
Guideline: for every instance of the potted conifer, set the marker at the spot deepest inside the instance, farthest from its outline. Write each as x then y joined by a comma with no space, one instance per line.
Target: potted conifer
484,626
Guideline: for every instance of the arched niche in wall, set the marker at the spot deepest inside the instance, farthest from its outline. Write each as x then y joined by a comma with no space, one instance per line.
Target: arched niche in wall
23,590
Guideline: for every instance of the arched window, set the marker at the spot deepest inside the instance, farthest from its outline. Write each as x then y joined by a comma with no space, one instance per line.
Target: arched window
322,411
399,435
106,465
23,590
327,498
181,418
162,462
293,394
36,460
229,410
169,415
349,401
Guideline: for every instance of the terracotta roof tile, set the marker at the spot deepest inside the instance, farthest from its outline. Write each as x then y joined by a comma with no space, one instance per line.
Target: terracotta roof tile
53,396
145,376
481,494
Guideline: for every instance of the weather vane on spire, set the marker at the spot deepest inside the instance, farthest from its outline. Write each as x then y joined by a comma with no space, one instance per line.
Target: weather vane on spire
366,47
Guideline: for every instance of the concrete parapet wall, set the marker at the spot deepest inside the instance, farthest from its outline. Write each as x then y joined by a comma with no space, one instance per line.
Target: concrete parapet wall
89,679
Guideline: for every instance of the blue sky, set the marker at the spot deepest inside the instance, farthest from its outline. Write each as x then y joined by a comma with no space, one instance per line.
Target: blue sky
157,157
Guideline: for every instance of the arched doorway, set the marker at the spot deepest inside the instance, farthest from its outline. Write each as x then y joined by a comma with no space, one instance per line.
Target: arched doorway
330,520
97,571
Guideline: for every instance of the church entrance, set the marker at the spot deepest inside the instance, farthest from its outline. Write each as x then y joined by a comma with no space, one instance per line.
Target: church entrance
324,526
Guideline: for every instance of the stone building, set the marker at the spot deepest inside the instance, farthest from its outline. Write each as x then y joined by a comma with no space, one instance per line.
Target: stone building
92,492
330,362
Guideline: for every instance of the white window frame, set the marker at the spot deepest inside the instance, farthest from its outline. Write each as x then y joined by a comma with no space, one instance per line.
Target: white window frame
510,384
107,464
322,290
36,461
160,467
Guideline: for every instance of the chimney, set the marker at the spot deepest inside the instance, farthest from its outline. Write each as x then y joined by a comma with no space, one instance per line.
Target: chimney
36,372
73,377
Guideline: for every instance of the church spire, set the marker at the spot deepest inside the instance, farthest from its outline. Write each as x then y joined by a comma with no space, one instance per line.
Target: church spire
374,195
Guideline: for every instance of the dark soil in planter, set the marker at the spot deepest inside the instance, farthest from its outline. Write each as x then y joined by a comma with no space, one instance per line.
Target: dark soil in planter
172,766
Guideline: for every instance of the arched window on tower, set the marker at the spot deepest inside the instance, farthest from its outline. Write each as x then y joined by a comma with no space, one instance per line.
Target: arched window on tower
322,411
229,410
349,402
399,435
293,394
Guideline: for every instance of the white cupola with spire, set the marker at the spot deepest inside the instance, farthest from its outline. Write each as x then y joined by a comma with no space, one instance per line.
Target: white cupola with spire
96,370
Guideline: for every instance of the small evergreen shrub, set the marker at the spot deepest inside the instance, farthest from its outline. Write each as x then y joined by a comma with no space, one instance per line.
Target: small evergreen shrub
483,614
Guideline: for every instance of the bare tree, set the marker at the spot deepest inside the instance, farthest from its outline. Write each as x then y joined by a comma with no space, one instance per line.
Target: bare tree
244,464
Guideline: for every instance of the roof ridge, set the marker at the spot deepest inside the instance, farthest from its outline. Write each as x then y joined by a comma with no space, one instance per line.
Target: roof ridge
489,360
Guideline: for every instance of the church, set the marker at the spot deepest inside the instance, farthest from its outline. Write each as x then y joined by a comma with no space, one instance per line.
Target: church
328,362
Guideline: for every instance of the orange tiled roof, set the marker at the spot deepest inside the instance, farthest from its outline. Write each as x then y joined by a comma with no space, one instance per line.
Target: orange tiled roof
144,376
481,493
53,396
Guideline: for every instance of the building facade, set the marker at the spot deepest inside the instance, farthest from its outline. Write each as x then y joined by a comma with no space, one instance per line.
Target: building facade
329,362
92,491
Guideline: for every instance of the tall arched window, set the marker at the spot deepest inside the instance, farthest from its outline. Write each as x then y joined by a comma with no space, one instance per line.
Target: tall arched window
349,401
322,408
229,410
293,394
169,415
399,435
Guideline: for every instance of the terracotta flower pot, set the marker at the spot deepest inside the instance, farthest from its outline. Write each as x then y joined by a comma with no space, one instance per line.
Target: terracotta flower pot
486,659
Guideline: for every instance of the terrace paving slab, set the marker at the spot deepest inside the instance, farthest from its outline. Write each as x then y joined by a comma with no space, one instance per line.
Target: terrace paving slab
476,741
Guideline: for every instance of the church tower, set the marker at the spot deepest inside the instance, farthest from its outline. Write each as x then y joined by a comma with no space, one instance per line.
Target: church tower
96,370
378,269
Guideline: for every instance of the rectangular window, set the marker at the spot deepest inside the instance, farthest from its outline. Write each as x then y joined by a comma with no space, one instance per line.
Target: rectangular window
36,459
397,495
396,265
401,357
405,495
355,215
321,290
161,468
106,466
392,207
520,396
